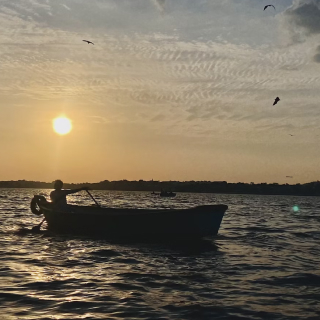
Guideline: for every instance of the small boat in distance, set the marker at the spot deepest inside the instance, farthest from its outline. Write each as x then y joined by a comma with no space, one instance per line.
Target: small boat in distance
196,222
167,194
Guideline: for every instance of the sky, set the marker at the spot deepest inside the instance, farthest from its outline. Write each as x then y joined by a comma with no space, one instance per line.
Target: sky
170,90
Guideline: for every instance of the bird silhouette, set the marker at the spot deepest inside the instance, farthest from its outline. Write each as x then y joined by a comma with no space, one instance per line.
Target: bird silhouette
269,5
289,176
276,100
88,42
290,134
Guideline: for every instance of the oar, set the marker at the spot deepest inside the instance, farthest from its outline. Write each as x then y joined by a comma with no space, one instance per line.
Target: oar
93,199
37,228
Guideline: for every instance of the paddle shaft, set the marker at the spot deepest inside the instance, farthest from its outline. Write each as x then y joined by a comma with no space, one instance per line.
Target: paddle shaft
93,198
37,228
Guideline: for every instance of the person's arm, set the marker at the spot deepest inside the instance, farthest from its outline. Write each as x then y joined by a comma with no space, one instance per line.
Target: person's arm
71,191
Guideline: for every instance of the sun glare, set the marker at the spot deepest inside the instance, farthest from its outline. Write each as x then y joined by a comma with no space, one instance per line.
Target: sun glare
62,125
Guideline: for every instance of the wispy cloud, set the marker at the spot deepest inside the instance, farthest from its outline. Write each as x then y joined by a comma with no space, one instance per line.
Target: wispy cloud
160,5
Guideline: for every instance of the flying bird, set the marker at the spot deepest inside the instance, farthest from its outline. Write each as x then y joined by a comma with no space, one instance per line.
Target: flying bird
269,5
276,100
290,134
88,42
289,177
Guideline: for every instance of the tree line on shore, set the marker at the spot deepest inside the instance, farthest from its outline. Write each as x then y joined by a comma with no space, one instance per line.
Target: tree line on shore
311,188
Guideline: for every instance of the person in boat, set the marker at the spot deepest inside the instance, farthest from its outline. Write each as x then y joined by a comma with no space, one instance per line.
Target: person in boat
59,196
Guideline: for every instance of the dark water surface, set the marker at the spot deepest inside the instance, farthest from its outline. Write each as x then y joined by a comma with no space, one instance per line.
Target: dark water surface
264,264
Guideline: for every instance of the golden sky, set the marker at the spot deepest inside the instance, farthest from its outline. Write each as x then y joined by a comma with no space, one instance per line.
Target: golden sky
170,90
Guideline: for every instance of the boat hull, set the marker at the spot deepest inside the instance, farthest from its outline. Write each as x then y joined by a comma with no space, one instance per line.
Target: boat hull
201,221
167,195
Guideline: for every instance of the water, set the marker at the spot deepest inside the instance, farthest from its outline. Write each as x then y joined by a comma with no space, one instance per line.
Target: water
264,264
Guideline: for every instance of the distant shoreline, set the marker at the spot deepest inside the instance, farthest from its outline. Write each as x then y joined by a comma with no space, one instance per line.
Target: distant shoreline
307,189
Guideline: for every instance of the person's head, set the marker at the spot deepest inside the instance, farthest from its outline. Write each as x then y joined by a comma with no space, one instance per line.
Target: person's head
58,184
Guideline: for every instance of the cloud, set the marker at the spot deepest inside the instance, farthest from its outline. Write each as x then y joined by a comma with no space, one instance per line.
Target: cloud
159,117
304,19
316,57
160,4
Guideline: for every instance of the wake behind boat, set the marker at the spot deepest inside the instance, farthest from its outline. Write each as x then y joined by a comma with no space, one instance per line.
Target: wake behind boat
197,222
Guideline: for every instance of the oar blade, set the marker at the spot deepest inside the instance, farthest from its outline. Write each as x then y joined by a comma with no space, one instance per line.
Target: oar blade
36,229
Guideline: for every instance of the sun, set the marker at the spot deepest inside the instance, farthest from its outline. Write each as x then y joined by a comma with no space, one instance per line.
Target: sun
62,125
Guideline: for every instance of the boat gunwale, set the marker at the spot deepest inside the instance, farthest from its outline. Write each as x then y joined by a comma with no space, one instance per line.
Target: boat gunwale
218,208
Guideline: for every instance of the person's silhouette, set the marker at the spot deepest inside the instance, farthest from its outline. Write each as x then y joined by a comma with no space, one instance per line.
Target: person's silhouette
59,196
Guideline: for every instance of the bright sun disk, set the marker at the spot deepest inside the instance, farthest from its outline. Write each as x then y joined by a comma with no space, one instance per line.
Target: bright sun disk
62,125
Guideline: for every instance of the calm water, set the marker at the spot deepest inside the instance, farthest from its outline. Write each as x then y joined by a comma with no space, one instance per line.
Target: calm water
264,264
